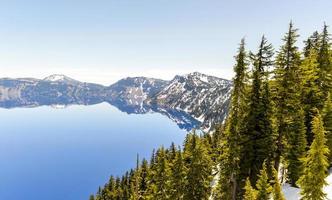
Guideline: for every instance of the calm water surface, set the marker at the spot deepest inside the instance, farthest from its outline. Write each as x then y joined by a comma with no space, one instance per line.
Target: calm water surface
65,154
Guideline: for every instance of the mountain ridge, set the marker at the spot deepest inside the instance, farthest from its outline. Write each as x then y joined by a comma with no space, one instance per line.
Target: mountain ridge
193,96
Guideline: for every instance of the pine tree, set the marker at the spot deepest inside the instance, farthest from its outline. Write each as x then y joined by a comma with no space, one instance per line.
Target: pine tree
125,186
134,184
143,179
178,177
111,186
151,189
225,188
315,164
257,144
327,118
250,193
312,44
199,170
134,195
291,139
171,153
118,194
325,62
311,92
162,176
230,148
263,186
276,192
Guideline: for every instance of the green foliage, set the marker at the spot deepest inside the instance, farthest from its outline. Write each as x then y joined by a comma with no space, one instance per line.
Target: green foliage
312,44
258,138
276,192
291,140
170,175
263,185
178,177
311,93
143,174
273,118
161,187
250,193
230,148
327,119
199,173
315,164
325,62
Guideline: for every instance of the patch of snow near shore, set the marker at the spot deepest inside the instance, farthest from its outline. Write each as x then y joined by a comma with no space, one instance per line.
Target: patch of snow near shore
292,193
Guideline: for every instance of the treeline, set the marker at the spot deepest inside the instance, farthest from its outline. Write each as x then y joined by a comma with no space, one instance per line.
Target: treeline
171,173
275,122
279,129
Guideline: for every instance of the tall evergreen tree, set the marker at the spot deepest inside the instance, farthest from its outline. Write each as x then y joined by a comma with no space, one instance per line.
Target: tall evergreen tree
151,190
126,186
312,44
325,62
250,193
291,140
161,187
311,91
199,170
327,118
118,194
134,184
276,192
230,147
257,144
171,153
315,164
263,186
178,178
143,179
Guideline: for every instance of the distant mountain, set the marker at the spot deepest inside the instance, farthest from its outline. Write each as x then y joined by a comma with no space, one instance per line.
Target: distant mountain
193,101
135,91
204,97
61,78
51,90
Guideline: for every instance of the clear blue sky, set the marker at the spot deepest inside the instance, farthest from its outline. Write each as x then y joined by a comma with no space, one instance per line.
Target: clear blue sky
104,40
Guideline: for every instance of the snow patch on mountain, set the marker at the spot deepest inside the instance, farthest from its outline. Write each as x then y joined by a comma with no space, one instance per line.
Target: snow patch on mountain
60,78
204,97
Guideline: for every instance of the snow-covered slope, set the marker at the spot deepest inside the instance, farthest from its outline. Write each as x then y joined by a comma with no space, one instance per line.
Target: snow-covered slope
61,78
292,193
204,97
135,90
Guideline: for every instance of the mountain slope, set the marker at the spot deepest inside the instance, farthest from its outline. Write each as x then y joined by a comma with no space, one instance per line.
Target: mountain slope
61,78
194,100
51,90
204,97
134,91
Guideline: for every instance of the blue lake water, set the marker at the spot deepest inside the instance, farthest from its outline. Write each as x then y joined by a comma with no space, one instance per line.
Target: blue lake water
65,154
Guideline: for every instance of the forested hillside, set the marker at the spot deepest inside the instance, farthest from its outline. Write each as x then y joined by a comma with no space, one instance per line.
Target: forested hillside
279,129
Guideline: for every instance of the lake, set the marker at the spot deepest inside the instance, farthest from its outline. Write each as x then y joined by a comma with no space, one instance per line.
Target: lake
66,154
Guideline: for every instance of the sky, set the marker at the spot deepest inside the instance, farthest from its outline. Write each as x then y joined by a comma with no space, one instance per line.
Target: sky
103,41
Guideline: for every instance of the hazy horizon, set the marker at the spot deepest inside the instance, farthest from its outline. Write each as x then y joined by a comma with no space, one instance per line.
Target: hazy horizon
104,41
